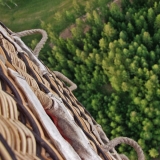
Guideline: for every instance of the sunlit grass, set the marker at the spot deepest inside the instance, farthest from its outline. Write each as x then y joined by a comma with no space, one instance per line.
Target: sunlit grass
29,14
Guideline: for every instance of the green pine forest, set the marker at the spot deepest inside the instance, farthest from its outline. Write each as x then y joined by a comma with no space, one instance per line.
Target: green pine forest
113,55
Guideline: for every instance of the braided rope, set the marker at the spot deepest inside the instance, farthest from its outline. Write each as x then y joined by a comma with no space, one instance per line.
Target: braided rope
72,87
111,144
39,46
128,141
123,157
37,49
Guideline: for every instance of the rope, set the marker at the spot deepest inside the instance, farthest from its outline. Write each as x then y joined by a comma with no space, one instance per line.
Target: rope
47,102
72,87
37,49
124,157
39,46
128,141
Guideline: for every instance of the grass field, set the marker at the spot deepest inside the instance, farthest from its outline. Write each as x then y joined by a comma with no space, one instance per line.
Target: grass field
28,14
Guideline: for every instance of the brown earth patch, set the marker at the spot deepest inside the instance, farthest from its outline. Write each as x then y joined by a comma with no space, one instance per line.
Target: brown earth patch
66,33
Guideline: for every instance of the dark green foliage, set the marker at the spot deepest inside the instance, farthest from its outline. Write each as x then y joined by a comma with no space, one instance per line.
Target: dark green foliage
117,68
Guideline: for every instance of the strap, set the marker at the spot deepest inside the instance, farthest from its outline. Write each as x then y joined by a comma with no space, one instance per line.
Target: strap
63,147
8,30
77,119
20,106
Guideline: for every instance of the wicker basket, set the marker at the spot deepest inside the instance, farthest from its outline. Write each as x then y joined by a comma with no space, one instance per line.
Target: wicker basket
40,118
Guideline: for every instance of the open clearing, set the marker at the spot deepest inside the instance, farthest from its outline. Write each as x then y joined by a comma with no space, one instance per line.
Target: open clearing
28,14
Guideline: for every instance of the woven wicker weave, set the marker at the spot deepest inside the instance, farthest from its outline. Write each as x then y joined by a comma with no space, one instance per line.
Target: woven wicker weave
40,118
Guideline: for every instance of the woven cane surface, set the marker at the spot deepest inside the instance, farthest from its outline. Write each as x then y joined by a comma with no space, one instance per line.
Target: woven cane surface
40,118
